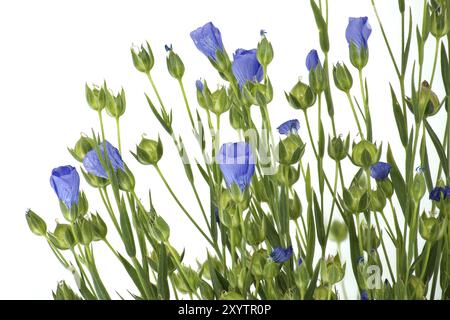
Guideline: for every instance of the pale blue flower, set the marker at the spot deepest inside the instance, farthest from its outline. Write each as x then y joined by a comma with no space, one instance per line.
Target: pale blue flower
312,60
66,183
236,163
281,255
288,127
380,170
246,67
93,165
358,32
208,40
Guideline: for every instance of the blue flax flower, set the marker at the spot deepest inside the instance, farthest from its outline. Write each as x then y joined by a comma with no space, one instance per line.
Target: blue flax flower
236,163
246,67
435,194
66,183
364,295
199,85
358,32
280,254
380,170
93,165
288,127
312,60
208,40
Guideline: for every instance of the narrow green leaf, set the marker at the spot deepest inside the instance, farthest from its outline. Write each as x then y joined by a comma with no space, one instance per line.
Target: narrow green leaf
162,284
437,144
399,119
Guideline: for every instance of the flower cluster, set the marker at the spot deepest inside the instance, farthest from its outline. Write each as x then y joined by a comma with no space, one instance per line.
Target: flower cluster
270,213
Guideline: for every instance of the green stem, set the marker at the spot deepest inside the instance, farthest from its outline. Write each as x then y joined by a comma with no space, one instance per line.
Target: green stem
355,115
384,248
436,53
149,76
137,266
118,135
182,207
425,262
187,104
100,117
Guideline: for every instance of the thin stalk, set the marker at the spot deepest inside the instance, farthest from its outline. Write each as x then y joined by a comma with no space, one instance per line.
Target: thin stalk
100,117
182,207
436,53
118,135
355,115
180,82
386,256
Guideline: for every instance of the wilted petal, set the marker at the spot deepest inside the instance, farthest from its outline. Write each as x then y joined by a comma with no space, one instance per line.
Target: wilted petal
93,165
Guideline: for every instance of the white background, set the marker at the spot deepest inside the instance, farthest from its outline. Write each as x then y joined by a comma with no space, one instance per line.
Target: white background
49,49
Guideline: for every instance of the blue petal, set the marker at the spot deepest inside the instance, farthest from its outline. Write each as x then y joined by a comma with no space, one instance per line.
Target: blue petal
93,165
435,194
208,40
65,181
380,170
280,254
199,85
364,295
312,60
289,126
246,67
236,163
358,32
447,192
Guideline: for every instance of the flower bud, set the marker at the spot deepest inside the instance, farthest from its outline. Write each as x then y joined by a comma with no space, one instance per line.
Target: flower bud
365,154
86,232
257,267
271,270
432,228
264,51
359,56
386,186
287,175
161,230
342,77
290,149
338,148
355,199
370,238
318,79
439,23
428,100
338,231
255,233
203,95
143,60
82,147
323,293
416,288
63,237
175,65
64,292
334,270
115,105
36,224
96,97
418,188
126,179
295,207
99,228
220,101
301,96
95,181
149,152
377,200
